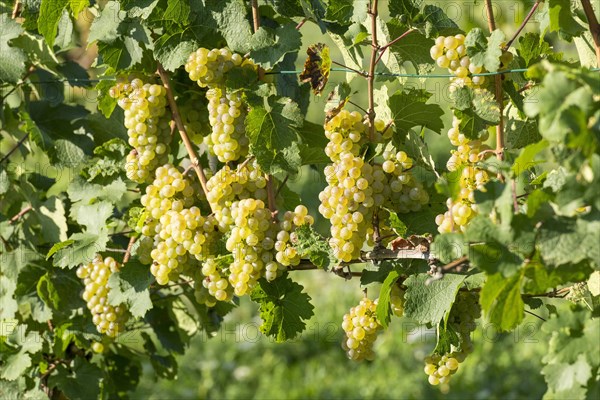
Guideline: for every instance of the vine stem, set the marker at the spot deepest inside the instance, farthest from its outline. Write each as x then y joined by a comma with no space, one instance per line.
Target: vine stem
498,92
15,147
372,63
269,177
128,250
301,23
20,214
15,10
525,21
594,26
164,76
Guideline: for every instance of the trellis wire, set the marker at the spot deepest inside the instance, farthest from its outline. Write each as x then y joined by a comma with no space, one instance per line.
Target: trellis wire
296,72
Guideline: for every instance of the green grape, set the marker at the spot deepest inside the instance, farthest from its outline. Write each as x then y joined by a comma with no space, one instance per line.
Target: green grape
397,301
361,327
147,124
109,320
97,347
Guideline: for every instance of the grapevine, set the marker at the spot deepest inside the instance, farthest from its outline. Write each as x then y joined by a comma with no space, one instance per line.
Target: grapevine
165,163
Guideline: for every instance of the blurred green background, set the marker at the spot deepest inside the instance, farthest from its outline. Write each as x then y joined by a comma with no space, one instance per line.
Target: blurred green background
240,363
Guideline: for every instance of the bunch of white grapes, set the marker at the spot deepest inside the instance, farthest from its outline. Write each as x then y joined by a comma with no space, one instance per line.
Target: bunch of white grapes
208,67
227,113
462,209
147,124
356,187
227,110
450,52
361,327
440,368
109,320
464,312
178,228
229,184
406,193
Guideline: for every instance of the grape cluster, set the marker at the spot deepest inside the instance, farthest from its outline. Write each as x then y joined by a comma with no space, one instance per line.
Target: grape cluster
356,187
208,67
226,108
464,312
227,113
147,124
441,368
178,228
462,209
109,320
361,327
450,52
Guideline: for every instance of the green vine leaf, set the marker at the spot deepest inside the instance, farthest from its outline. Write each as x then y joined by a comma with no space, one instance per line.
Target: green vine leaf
272,131
384,310
428,303
130,286
50,15
283,308
501,300
311,245
269,46
409,110
484,51
12,63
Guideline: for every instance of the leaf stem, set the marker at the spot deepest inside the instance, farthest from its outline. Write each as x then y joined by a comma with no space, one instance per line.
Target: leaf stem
498,92
164,76
594,27
383,48
15,10
372,62
14,148
20,214
535,315
127,255
301,23
362,73
525,21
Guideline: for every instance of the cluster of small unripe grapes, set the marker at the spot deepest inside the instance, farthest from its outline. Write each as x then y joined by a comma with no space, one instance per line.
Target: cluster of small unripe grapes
462,209
356,187
464,312
226,108
147,124
178,228
361,327
109,320
397,301
450,52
